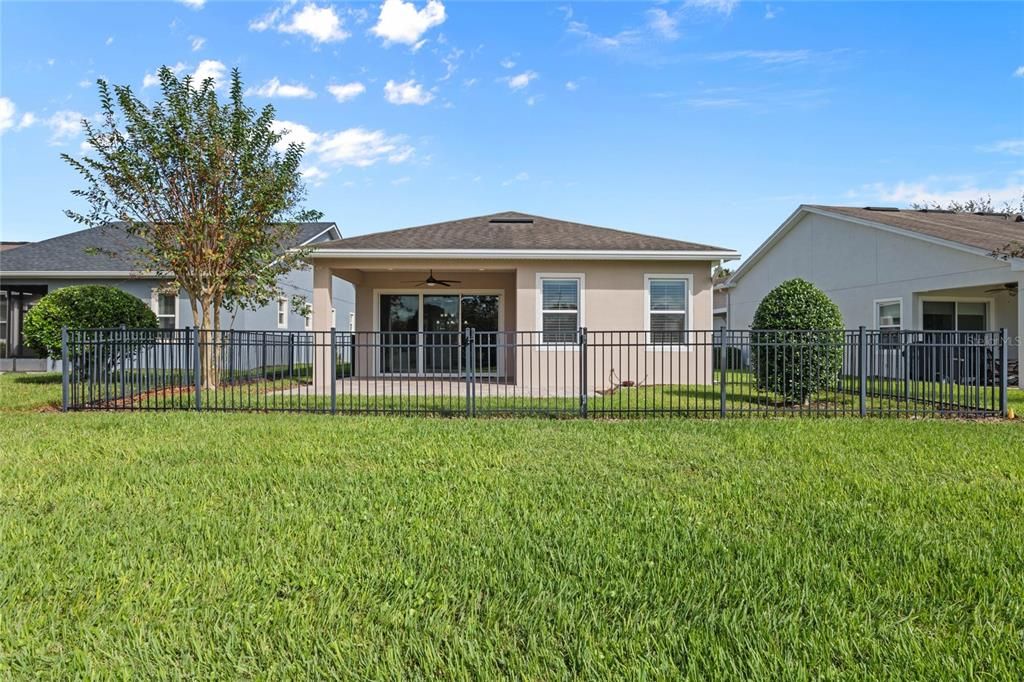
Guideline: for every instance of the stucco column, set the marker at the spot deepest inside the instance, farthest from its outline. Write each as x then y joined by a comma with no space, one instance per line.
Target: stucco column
323,301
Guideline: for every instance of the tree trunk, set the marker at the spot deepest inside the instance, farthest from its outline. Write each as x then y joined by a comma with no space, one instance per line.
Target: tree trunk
208,347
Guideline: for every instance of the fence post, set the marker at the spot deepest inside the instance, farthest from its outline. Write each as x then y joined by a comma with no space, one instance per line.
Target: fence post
583,371
862,369
334,371
291,356
723,366
197,371
470,364
64,362
1004,369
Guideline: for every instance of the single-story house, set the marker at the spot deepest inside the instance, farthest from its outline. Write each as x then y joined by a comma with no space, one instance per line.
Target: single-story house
524,277
888,268
30,271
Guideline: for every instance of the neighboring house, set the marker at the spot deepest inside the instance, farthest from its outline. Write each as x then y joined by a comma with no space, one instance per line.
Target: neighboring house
893,269
517,273
7,246
29,272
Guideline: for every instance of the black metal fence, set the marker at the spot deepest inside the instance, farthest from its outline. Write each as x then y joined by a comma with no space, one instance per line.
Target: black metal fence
616,374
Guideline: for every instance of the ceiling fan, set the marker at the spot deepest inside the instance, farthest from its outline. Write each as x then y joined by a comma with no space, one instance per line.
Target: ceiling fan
432,281
1010,287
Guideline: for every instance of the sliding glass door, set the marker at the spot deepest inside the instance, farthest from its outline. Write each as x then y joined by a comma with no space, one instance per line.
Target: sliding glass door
424,333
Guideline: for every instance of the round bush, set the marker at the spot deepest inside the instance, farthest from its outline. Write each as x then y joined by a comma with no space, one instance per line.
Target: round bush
82,307
797,343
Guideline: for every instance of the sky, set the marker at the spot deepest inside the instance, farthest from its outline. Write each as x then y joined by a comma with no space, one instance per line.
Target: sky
702,120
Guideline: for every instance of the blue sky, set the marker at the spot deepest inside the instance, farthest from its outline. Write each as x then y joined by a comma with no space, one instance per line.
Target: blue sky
706,120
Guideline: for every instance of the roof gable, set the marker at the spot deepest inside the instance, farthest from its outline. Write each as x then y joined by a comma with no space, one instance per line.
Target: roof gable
978,234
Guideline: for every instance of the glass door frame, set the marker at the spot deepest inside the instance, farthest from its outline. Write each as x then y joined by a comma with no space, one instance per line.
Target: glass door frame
436,291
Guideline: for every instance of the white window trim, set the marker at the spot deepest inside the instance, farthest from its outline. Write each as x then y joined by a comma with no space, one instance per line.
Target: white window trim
154,304
277,313
581,278
989,309
688,313
879,302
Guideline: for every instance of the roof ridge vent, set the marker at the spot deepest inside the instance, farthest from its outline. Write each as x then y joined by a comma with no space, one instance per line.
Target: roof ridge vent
889,209
511,220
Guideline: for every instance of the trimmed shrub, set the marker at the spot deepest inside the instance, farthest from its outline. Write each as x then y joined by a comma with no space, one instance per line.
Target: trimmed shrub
82,307
797,343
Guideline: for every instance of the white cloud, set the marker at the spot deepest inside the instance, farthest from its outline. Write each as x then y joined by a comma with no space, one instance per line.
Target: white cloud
9,119
322,24
507,63
361,148
346,91
151,79
109,40
1011,147
197,42
771,12
470,82
662,24
715,102
522,176
939,190
520,81
64,126
401,22
194,4
1019,73
409,92
572,86
451,63
7,113
275,88
767,57
722,6
401,181
271,18
313,175
357,147
209,68
294,132
625,38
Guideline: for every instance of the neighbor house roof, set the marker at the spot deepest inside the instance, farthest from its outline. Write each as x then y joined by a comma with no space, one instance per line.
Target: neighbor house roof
513,234
7,246
988,231
978,233
88,252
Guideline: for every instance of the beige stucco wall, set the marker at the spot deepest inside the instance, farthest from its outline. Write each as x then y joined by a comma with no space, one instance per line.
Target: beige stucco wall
613,299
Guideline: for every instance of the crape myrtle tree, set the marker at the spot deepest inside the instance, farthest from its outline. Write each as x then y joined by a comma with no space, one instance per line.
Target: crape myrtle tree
207,188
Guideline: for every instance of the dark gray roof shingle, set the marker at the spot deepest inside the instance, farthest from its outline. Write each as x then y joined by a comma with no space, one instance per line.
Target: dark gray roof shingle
514,231
989,231
76,251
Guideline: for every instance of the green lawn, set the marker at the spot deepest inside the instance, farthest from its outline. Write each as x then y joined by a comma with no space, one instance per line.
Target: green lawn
255,545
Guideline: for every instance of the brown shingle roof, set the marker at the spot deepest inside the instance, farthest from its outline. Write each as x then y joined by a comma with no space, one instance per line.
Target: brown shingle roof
514,231
989,231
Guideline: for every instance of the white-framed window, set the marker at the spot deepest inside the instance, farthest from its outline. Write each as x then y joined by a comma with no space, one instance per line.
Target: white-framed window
5,311
165,306
889,320
282,313
667,313
560,307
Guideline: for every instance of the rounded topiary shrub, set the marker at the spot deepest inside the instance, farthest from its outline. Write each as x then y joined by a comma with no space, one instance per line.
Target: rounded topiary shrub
796,347
82,307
